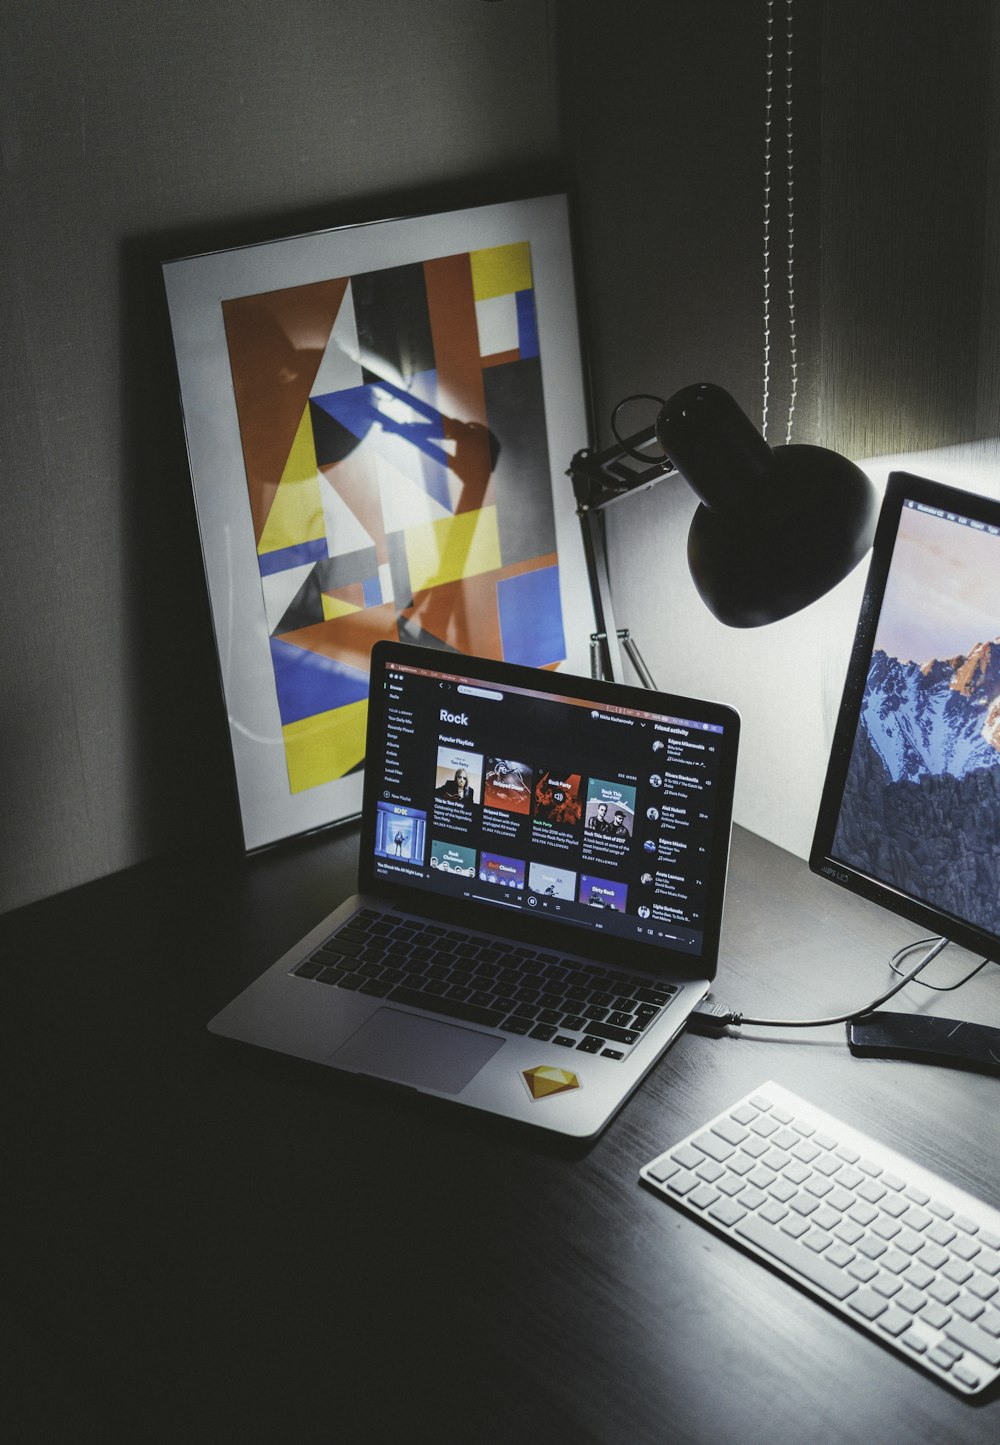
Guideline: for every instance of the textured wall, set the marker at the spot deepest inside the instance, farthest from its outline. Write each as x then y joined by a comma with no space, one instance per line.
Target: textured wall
131,132
134,131
896,279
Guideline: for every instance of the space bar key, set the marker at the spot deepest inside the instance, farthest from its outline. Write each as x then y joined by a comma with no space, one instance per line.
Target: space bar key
452,1008
810,1266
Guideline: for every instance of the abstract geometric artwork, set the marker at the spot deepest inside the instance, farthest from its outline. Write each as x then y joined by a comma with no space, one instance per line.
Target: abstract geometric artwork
393,421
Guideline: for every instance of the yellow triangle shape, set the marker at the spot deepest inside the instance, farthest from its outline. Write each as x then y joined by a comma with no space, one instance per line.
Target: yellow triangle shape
296,513
334,607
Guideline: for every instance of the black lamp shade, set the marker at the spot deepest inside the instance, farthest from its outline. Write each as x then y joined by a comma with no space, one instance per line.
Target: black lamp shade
777,527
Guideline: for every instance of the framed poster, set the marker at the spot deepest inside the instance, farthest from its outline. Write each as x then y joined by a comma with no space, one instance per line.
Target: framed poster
378,422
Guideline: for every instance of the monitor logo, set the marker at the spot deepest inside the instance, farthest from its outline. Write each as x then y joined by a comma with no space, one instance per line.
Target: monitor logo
545,1080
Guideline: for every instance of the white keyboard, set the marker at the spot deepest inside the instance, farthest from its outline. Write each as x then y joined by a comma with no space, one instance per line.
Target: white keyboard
895,1248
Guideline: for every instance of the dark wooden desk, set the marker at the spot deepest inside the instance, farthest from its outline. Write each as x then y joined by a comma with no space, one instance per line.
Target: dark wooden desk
211,1244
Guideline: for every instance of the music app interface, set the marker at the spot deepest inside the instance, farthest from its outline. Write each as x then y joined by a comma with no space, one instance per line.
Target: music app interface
598,816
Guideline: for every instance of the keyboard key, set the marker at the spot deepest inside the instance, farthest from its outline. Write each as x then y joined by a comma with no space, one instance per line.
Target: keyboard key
515,1025
869,1304
703,1196
451,1007
730,1130
727,1212
791,1253
662,1169
894,1321
715,1147
971,1337
611,1033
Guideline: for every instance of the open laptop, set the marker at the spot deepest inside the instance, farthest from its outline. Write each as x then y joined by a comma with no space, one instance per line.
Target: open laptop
542,867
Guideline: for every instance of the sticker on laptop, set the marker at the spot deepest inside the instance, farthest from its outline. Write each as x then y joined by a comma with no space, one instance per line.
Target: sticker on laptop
546,1080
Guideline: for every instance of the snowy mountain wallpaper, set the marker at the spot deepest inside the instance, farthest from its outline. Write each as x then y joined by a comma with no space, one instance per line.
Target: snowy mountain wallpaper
921,808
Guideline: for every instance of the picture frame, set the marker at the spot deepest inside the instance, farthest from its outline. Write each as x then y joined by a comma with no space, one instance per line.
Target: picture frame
378,422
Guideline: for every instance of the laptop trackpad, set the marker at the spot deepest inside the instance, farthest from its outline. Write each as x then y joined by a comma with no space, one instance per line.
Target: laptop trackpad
418,1051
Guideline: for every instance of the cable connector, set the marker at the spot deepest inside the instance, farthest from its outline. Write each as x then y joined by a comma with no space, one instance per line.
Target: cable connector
712,1018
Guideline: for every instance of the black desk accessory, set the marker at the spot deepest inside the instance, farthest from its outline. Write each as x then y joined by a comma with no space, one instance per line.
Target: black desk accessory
776,528
926,1040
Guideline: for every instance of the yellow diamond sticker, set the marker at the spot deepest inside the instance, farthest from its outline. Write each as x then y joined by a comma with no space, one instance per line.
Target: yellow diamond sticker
546,1080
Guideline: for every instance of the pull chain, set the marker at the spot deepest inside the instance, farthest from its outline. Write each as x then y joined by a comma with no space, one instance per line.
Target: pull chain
789,152
789,216
769,73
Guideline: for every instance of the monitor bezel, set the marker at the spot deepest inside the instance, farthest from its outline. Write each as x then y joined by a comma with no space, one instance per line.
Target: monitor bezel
901,487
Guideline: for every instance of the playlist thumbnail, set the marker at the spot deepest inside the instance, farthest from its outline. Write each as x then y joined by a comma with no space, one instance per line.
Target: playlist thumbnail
452,858
603,892
459,774
507,785
506,872
558,798
610,809
400,832
551,882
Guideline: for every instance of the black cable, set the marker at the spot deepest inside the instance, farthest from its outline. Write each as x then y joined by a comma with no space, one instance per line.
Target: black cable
921,982
631,451
711,1017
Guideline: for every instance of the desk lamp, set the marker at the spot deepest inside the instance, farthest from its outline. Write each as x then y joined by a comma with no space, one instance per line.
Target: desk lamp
776,528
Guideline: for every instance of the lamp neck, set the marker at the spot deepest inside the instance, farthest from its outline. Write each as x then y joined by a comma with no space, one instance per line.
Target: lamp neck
714,445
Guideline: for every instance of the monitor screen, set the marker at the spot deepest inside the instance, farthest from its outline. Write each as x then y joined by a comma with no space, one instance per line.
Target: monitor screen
910,811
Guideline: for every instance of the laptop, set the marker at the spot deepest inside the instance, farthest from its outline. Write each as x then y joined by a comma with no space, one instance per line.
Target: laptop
541,877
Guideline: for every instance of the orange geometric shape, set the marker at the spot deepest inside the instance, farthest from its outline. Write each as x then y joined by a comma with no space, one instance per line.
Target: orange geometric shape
464,614
276,342
348,639
546,1079
461,614
451,307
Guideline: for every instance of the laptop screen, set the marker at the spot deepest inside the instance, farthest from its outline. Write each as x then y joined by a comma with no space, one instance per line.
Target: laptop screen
568,801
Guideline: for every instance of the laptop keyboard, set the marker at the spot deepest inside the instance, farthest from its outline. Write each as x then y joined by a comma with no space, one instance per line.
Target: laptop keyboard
483,980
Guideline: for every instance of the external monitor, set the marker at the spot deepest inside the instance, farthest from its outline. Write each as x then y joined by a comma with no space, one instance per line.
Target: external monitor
910,810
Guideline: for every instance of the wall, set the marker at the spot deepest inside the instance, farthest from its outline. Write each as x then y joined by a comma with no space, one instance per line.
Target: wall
132,132
896,238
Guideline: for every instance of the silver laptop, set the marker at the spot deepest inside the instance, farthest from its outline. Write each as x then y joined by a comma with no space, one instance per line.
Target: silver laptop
542,867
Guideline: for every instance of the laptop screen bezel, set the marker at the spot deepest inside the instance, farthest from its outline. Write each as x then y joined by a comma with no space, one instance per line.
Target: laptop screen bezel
532,928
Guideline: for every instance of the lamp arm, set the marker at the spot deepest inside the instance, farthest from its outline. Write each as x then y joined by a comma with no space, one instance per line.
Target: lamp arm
600,478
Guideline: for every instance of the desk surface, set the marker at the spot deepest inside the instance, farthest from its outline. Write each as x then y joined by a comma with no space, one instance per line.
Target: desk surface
214,1244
